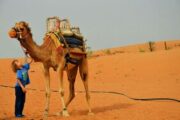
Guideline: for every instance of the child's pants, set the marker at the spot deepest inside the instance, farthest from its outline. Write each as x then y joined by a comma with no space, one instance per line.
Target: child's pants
20,100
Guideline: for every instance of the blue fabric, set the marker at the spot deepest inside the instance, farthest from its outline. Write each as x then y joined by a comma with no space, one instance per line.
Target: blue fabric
19,102
73,41
22,75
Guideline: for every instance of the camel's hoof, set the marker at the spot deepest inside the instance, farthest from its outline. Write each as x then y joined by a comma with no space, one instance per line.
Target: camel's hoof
45,117
45,113
63,113
90,113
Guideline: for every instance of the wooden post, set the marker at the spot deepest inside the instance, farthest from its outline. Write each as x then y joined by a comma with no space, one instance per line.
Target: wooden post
151,47
165,45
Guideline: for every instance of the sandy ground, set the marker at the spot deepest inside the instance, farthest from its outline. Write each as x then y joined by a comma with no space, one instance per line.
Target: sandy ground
137,74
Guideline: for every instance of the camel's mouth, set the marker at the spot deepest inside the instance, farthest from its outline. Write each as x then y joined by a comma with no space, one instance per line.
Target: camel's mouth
16,33
12,33
20,31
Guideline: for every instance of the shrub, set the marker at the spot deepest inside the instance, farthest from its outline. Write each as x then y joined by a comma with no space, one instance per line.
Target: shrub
108,52
141,50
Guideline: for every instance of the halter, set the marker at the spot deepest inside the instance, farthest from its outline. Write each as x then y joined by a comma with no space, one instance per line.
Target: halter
20,38
20,34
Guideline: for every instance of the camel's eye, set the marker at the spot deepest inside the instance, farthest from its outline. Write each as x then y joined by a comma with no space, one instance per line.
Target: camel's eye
22,29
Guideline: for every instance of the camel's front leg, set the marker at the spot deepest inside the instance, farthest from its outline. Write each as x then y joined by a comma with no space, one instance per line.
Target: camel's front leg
47,83
61,90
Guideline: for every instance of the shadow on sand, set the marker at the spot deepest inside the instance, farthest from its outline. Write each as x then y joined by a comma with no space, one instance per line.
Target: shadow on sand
96,110
102,109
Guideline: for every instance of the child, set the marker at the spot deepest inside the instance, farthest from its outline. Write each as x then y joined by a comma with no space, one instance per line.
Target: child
22,80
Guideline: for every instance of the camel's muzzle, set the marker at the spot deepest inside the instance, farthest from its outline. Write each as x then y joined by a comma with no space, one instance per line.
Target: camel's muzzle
19,32
13,33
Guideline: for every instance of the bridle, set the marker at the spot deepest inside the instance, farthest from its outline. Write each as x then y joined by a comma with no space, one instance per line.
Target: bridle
20,39
19,32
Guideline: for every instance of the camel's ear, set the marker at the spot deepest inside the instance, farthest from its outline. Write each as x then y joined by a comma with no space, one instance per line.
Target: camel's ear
26,24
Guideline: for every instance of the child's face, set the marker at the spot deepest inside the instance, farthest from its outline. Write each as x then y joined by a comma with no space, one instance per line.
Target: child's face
19,64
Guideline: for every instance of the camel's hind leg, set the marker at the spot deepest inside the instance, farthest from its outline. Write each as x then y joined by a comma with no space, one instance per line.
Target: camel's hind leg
83,69
71,77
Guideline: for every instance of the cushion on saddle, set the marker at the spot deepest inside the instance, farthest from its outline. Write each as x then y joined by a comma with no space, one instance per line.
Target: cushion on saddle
55,39
73,41
76,33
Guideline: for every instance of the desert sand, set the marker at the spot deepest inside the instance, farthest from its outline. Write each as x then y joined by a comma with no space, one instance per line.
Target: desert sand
132,70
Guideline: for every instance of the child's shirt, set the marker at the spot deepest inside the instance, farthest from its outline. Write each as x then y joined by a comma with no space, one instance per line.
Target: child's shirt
22,75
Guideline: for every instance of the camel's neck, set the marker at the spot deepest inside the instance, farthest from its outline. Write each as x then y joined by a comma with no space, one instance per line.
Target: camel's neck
35,51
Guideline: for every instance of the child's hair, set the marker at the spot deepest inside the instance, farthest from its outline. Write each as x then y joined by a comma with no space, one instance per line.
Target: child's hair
14,66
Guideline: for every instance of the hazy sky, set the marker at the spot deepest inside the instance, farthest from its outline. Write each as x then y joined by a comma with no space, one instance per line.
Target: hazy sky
105,23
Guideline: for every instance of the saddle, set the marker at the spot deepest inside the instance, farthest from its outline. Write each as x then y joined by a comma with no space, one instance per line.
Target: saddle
68,31
64,35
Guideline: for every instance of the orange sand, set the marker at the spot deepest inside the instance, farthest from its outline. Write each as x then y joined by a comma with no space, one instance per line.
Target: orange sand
137,74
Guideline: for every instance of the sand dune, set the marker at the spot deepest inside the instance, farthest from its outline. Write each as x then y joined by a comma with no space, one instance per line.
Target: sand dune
126,69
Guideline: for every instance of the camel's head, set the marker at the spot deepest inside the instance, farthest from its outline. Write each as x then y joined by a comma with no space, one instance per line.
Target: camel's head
20,31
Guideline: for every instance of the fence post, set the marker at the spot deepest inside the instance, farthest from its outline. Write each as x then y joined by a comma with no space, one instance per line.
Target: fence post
165,45
151,46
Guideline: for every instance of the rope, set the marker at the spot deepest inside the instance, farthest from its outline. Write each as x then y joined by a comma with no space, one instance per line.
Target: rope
59,35
25,53
110,92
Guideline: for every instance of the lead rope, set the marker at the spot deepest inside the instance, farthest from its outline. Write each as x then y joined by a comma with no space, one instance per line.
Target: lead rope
25,54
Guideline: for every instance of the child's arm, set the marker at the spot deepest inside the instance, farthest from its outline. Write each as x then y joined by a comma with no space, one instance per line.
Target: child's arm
22,87
28,60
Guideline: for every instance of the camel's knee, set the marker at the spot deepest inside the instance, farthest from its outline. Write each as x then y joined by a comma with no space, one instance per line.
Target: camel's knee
46,110
61,92
88,96
48,93
84,76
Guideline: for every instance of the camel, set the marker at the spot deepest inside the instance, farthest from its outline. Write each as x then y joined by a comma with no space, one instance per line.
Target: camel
48,55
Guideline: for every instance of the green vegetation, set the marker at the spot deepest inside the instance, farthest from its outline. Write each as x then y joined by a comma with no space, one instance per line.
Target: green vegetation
108,51
141,50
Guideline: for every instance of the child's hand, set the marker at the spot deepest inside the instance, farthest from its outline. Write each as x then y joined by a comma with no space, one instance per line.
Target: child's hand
24,89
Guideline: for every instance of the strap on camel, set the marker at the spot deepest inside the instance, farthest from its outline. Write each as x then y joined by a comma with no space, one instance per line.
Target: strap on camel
55,39
59,40
72,60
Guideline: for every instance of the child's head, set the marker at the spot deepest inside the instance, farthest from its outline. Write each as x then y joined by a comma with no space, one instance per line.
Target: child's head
16,64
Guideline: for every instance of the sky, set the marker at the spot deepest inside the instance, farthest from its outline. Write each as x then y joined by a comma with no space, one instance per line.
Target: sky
104,23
